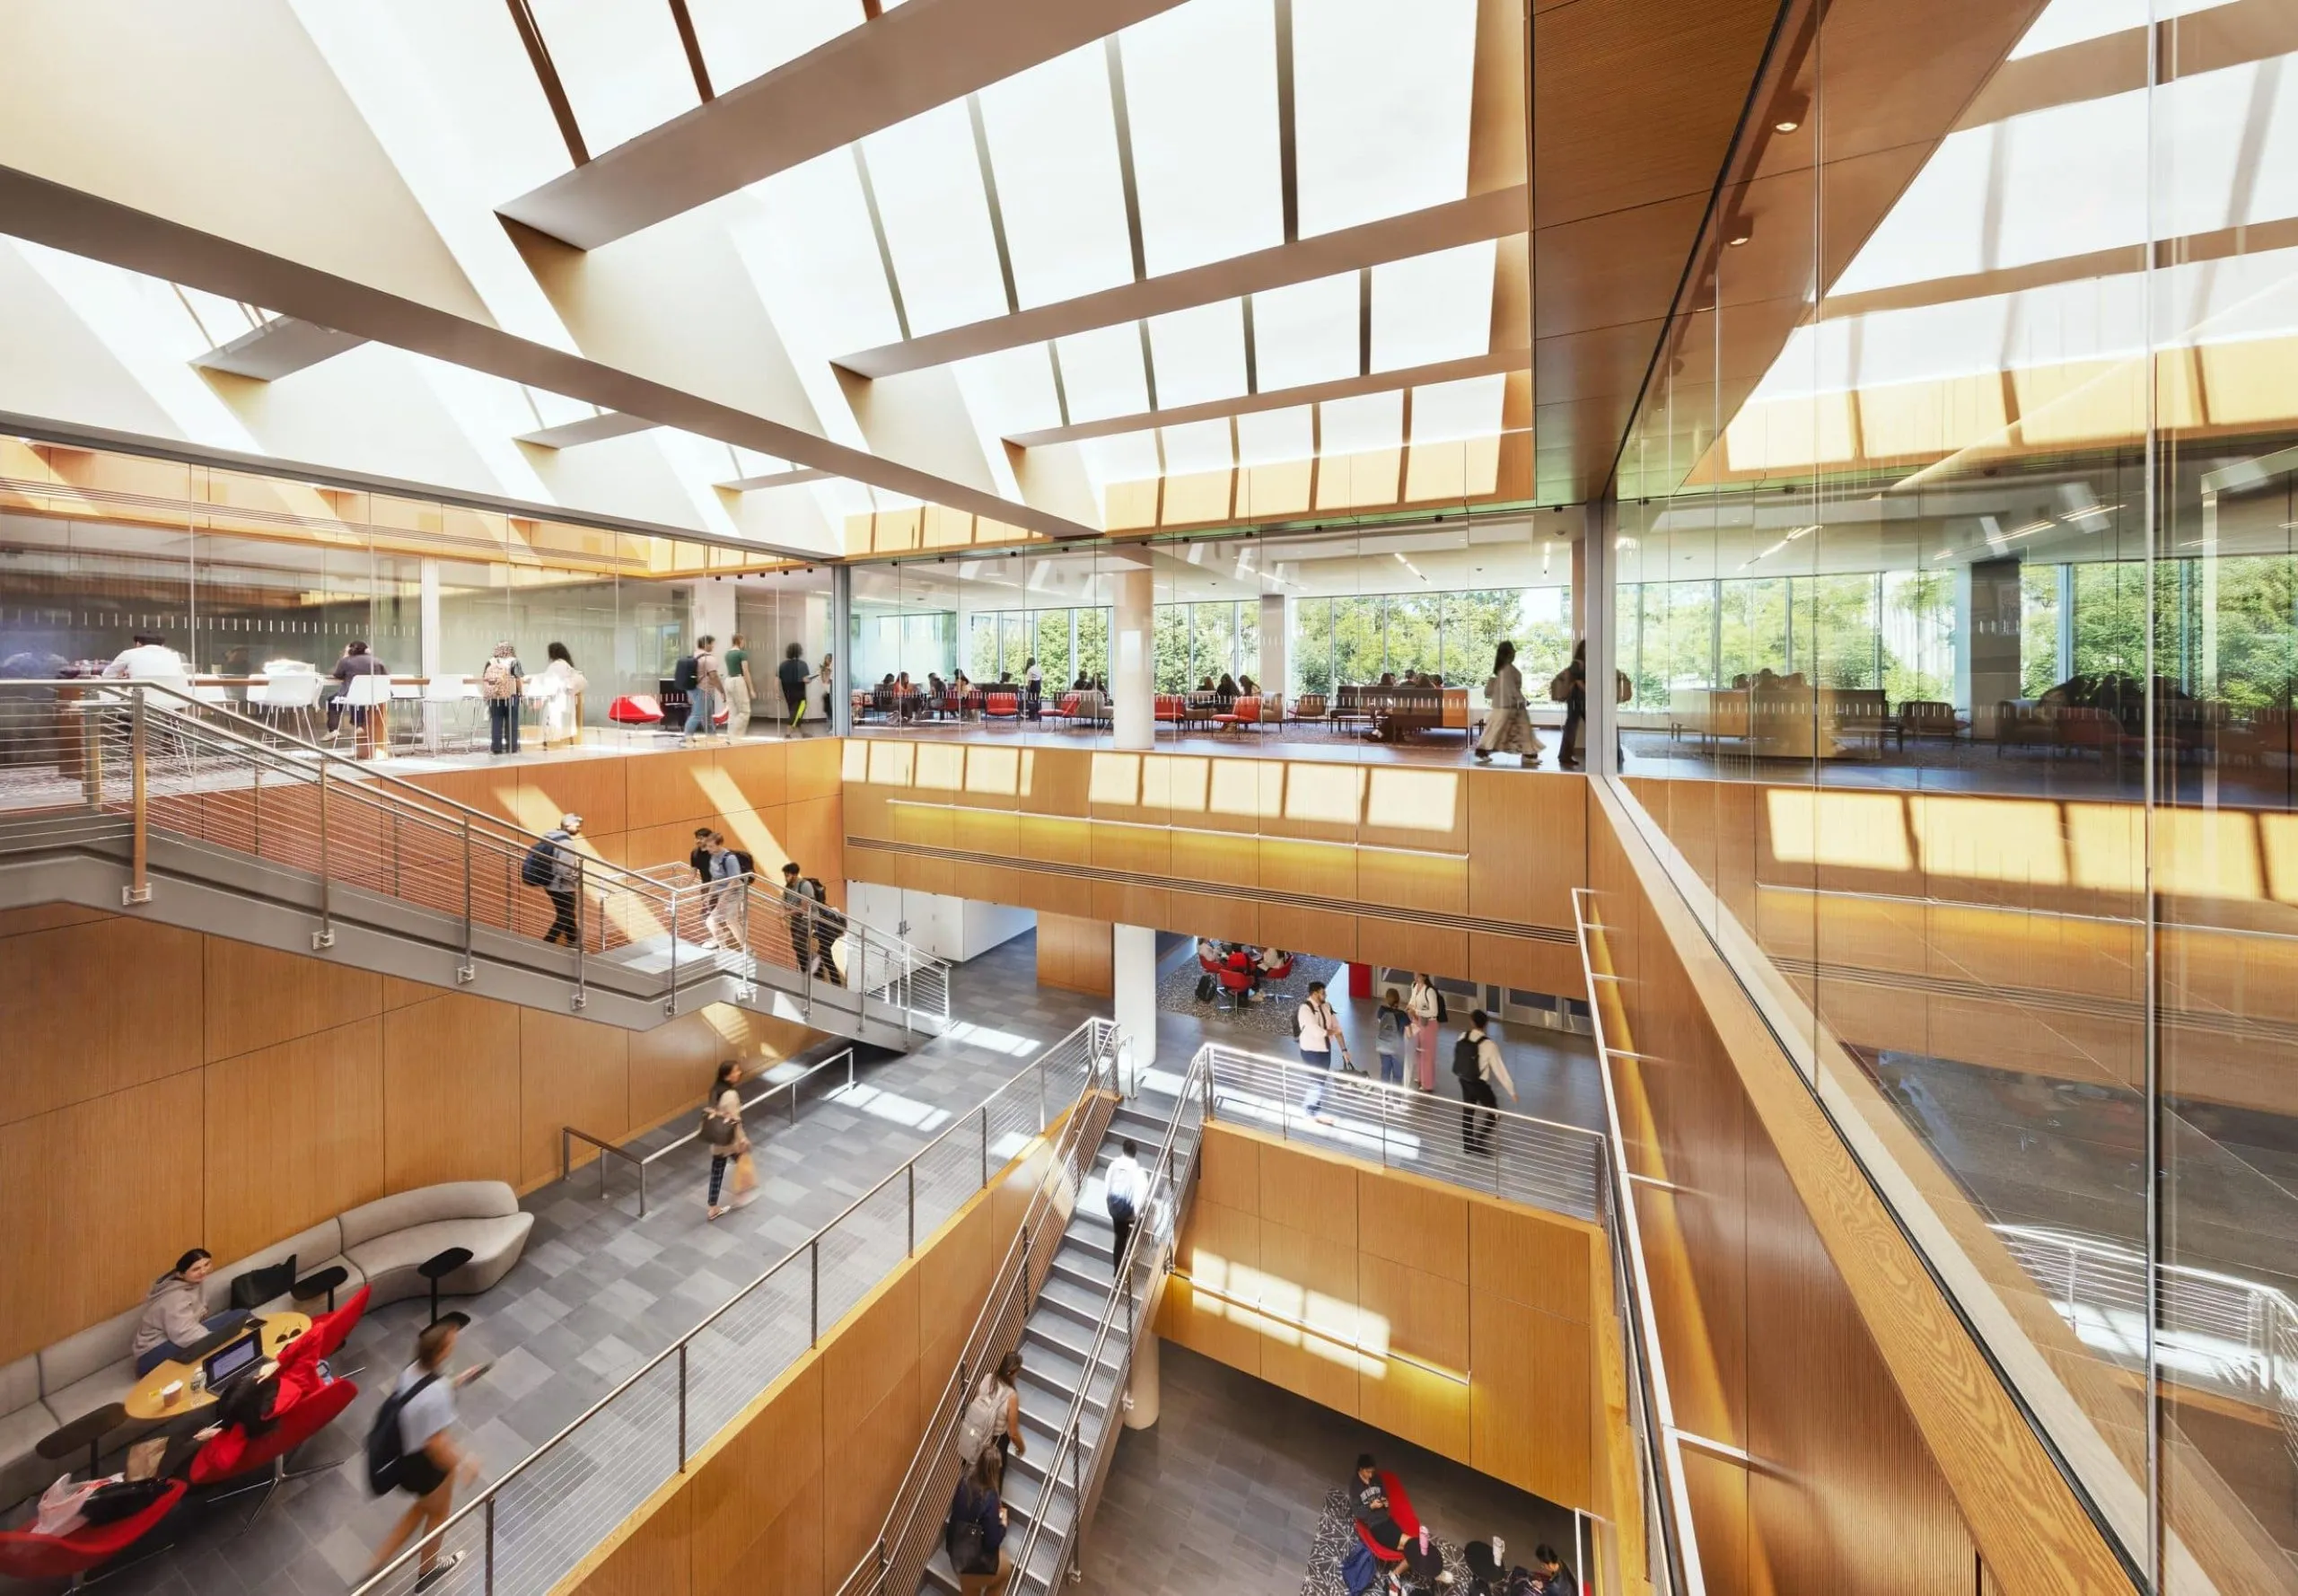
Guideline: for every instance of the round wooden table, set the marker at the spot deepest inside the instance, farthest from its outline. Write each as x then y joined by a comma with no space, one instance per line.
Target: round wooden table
145,1401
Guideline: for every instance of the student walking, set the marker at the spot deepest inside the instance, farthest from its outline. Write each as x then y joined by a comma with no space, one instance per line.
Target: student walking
722,1130
1317,1029
1426,1006
1124,1193
974,1538
709,687
1033,689
428,1461
1391,1025
992,1421
1476,1061
810,913
794,675
1508,725
725,897
500,681
739,687
554,865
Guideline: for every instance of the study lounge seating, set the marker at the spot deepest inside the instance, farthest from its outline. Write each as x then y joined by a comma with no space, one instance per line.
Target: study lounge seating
382,1244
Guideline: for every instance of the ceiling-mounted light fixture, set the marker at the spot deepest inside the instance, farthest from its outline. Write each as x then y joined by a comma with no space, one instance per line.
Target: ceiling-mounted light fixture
1738,231
1788,115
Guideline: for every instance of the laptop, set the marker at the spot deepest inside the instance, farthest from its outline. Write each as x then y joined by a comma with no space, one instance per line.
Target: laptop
234,1361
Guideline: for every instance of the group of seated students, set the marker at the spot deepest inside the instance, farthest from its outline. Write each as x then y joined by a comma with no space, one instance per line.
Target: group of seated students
1239,970
1396,1553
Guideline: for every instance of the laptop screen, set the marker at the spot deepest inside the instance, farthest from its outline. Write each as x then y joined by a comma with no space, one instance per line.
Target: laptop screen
239,1356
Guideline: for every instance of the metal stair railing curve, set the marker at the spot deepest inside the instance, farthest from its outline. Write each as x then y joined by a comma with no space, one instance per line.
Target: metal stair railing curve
120,756
911,1531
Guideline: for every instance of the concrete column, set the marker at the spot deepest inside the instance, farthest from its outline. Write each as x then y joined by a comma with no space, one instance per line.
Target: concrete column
841,645
1988,620
711,611
1132,667
1133,968
1275,639
1140,1391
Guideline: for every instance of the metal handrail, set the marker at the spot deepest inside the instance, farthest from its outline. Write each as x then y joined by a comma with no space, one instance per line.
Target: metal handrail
1093,1033
1667,1497
1160,1183
567,1134
1012,1286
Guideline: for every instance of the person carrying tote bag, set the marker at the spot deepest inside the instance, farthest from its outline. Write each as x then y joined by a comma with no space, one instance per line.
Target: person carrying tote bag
722,1130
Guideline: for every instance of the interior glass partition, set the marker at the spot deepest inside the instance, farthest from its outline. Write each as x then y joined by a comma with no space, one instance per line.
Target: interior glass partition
1955,581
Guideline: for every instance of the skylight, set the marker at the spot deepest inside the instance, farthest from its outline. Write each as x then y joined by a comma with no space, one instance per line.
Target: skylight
741,39
1432,307
1053,146
1197,446
622,66
1447,412
1381,107
1199,354
1308,332
1359,425
928,184
1100,372
1201,95
2071,22
1272,437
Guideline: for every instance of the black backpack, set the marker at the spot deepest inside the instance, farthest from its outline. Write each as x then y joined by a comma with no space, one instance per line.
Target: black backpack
540,868
684,673
827,924
384,1451
1443,1013
749,864
1465,1063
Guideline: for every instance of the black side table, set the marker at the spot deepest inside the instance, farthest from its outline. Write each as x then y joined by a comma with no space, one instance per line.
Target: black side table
326,1280
437,1267
88,1430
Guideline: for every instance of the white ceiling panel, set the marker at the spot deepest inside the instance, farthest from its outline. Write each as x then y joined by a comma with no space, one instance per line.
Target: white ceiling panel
1447,412
1355,426
1198,446
1381,107
1011,391
928,184
622,64
1432,307
1128,457
1201,96
827,287
1270,437
1100,372
1307,332
1199,354
743,40
1053,146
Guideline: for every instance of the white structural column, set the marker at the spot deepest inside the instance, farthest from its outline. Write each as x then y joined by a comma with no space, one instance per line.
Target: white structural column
1594,597
1134,650
1133,964
1275,634
712,606
429,640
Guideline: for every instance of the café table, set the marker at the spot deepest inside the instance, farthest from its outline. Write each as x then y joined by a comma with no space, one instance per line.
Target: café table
148,1399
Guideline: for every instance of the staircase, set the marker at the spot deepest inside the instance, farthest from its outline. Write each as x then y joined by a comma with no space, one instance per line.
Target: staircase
1077,1343
139,797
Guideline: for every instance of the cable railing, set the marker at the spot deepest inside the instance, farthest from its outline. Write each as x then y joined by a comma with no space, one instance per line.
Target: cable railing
1543,1163
913,1525
1672,1545
97,761
1166,1185
525,1531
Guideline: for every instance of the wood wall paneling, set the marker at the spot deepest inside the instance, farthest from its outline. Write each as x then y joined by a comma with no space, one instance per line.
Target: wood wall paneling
92,1007
1074,954
755,1471
1309,1193
294,1135
452,1077
571,1072
1418,1223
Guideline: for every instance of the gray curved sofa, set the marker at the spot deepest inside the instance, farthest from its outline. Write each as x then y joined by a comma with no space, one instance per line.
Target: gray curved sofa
378,1244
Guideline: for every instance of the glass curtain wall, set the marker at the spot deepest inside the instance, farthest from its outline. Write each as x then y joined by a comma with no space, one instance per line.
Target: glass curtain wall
1956,583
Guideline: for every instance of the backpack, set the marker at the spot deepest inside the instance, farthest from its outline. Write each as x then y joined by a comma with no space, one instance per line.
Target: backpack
825,926
497,681
540,868
980,1420
1443,1013
1466,1064
967,1544
717,1129
683,673
384,1450
749,864
1206,987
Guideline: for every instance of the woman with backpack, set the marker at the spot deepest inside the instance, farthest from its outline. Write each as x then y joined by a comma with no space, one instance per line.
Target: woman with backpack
501,682
722,1128
994,1415
975,1536
1425,1005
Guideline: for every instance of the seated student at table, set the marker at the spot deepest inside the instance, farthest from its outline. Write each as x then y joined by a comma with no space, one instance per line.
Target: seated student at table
171,1319
253,1405
1368,1504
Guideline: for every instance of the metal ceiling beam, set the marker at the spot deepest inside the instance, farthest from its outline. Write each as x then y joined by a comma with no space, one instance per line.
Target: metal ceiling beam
1283,399
589,429
912,58
88,224
1473,220
280,347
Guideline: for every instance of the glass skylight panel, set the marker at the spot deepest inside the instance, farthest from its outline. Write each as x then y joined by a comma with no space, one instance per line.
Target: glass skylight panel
1448,412
821,276
1361,425
1272,437
1011,391
1100,372
1381,107
1432,307
1128,457
928,184
1308,332
1201,96
1934,231
1053,144
1199,354
2071,22
2075,180
1197,446
741,39
622,66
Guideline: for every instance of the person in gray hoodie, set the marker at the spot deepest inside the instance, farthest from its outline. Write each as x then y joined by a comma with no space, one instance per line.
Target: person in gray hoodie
172,1318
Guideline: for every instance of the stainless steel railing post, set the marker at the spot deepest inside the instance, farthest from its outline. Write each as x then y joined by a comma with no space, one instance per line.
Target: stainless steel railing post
582,935
984,1147
139,887
467,970
814,1292
324,937
490,1545
683,1346
803,941
912,1167
670,1004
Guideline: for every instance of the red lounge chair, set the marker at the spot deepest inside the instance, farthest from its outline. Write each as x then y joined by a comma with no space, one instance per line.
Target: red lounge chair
303,1406
636,709
1400,1510
1247,713
1171,708
32,1557
1067,708
1002,707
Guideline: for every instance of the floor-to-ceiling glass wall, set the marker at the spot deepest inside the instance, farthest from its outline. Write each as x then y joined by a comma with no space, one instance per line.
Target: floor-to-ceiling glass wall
1956,592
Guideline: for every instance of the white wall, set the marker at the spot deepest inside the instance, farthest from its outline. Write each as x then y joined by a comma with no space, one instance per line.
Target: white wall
953,928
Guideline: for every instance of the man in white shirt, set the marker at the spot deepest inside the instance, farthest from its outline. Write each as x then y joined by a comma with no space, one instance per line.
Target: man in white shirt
148,658
1124,1191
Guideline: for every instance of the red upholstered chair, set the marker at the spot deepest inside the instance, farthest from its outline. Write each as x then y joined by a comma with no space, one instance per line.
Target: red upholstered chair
32,1557
304,1405
1400,1510
1171,708
635,709
1001,706
1245,712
